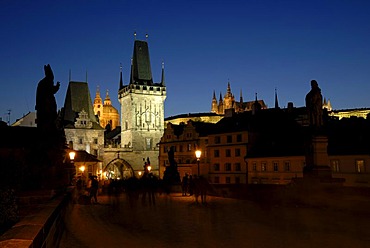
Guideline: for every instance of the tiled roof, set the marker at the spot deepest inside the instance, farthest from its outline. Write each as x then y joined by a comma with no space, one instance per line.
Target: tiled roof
78,99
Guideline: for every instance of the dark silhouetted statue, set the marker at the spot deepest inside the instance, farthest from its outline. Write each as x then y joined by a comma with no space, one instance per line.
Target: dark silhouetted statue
314,106
171,174
49,147
46,106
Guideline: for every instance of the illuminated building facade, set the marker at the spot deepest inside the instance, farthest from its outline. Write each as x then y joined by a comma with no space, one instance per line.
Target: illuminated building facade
106,113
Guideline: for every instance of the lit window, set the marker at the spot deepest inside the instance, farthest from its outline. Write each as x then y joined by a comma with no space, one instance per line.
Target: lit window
360,166
189,147
148,143
254,166
263,166
334,165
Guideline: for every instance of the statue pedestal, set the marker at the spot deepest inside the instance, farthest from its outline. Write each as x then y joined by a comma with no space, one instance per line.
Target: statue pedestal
317,172
317,159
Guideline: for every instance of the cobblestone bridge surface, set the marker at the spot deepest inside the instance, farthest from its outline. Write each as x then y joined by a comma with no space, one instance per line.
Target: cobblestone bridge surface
177,221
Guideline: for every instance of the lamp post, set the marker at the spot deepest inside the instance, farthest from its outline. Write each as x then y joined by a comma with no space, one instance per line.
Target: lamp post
198,153
71,169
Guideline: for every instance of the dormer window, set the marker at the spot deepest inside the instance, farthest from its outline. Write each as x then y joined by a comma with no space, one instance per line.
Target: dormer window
83,120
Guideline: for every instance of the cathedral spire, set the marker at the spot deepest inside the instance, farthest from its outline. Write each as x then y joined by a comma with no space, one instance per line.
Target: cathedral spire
276,100
228,92
214,108
241,97
256,106
163,83
120,77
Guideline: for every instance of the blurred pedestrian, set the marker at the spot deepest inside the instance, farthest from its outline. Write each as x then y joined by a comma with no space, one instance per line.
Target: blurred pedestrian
185,184
94,189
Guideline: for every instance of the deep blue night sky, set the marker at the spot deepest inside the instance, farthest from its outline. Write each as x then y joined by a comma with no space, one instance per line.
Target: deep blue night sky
256,45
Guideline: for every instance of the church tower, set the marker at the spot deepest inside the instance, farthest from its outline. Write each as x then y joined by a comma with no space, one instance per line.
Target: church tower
98,103
214,108
142,105
104,110
228,98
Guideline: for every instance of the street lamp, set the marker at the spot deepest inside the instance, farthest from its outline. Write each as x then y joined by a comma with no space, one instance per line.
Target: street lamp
72,156
198,153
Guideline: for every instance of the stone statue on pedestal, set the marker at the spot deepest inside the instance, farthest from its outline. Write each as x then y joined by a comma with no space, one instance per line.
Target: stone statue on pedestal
171,174
46,106
314,106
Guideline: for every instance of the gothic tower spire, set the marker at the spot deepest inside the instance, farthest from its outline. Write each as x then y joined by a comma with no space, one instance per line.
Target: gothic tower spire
276,100
163,83
214,108
120,77
141,72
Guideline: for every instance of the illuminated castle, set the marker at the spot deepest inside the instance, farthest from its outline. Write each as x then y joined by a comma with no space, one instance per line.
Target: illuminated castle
228,102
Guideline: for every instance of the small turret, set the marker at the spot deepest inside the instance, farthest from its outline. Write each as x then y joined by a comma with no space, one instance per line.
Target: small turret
107,100
163,83
120,78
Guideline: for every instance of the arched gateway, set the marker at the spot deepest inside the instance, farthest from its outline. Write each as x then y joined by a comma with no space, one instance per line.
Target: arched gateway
118,168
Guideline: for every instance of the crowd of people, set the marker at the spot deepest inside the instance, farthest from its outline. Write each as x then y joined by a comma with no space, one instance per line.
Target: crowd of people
197,186
144,189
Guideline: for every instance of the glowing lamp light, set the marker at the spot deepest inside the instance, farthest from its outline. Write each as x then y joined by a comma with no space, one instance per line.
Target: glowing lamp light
82,169
149,168
139,173
198,153
72,155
